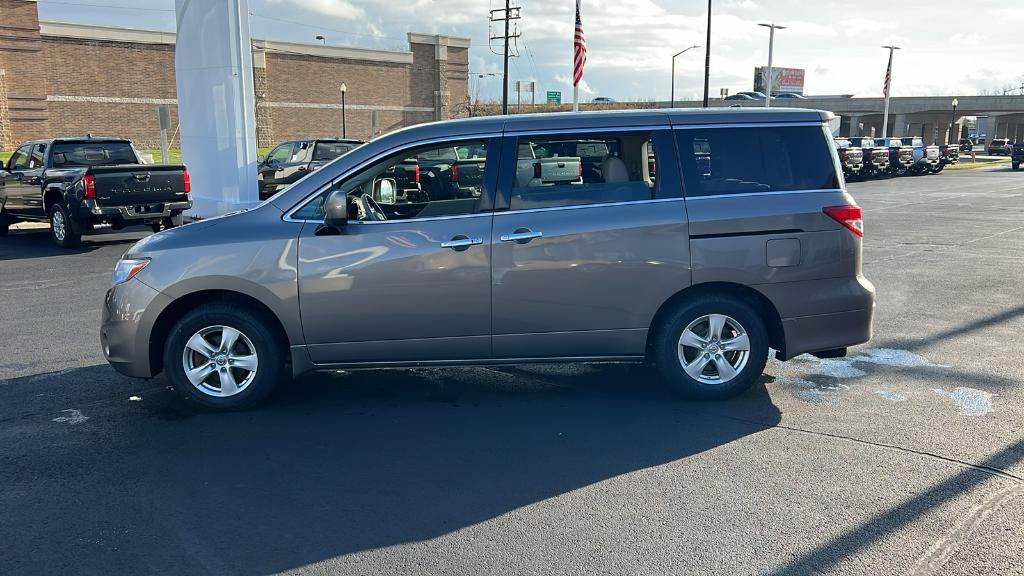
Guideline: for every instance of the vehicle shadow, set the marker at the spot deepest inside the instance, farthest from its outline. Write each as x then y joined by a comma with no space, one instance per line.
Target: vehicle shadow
36,243
334,464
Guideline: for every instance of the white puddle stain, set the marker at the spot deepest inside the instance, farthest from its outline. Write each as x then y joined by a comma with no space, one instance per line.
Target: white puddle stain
73,417
890,395
134,399
972,402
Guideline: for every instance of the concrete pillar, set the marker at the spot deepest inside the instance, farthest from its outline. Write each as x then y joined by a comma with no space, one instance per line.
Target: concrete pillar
6,136
855,125
216,105
899,125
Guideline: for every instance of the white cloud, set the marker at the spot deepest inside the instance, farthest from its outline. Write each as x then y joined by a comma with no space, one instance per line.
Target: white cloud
337,8
566,79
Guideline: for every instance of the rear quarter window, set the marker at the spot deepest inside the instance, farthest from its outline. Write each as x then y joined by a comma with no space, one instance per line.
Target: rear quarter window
719,161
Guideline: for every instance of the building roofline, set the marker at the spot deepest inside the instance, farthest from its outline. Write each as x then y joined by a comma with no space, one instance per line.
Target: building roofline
56,29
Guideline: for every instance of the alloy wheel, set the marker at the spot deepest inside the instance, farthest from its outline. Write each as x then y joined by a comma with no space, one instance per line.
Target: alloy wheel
714,349
220,361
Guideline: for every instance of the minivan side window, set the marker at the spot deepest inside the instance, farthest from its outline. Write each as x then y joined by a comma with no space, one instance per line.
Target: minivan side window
425,182
755,159
572,170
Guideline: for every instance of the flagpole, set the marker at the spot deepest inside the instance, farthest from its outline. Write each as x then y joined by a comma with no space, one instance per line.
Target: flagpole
575,98
888,92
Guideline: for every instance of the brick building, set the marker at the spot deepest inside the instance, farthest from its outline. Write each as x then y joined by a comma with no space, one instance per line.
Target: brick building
68,79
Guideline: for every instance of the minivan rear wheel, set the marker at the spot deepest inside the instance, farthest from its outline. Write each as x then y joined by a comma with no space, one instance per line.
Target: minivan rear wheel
223,356
712,347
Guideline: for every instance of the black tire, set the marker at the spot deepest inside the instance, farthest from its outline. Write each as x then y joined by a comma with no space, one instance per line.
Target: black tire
63,230
667,346
156,227
5,224
1015,166
256,331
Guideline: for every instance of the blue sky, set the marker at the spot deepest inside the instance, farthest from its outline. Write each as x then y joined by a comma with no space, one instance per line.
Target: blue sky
950,48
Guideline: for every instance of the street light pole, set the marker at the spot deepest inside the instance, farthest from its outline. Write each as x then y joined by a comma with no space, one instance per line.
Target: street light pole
672,100
952,125
343,89
322,39
707,58
888,91
771,49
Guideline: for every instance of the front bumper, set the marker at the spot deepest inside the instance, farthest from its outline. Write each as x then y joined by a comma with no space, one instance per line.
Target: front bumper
129,312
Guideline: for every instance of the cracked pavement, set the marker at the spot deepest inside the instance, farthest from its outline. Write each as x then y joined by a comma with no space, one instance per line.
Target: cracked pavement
905,457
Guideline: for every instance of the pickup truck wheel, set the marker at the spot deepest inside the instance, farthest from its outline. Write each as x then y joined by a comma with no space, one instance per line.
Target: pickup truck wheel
1016,166
63,232
711,348
5,223
223,356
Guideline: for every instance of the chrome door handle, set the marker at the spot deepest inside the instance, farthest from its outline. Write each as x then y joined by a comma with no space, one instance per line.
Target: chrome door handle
522,236
461,242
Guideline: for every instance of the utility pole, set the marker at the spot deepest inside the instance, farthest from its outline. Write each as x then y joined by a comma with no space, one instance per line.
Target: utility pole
508,14
672,99
707,58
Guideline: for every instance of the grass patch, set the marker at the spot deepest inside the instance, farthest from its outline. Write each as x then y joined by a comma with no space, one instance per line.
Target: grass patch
174,156
4,156
967,165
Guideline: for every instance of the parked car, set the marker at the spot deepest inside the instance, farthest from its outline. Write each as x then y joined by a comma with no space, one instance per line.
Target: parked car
1017,156
77,183
901,157
926,158
755,256
789,96
754,94
1000,147
966,145
948,154
876,156
292,160
851,158
740,96
603,100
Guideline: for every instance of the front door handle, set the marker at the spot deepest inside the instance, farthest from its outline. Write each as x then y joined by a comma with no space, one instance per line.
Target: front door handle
521,236
461,242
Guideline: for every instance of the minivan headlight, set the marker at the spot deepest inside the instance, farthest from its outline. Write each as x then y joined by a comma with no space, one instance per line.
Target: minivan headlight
127,269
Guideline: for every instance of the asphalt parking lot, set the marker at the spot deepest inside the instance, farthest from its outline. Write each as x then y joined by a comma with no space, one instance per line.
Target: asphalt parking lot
905,457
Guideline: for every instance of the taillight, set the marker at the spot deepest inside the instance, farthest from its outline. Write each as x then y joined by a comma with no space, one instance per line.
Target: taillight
89,185
651,167
536,169
416,173
579,169
187,181
842,155
455,173
849,216
869,154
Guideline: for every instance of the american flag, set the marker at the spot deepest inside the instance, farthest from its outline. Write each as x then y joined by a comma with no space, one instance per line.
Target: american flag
579,49
888,77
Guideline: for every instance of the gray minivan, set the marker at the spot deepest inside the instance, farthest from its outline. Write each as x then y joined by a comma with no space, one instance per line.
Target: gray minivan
697,240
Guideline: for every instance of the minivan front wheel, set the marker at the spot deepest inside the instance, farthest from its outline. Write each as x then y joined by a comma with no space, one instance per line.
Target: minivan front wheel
712,347
224,357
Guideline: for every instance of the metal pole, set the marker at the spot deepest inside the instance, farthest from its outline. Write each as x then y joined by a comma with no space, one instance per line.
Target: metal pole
344,132
707,58
888,92
504,77
672,100
952,127
771,49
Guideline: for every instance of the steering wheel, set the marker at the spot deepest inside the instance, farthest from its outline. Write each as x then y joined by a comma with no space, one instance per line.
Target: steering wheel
370,209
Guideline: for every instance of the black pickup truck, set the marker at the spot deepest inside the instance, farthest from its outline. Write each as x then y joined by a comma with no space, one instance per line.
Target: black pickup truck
75,183
290,161
1017,156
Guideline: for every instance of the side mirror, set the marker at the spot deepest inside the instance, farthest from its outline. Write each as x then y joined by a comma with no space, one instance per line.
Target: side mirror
384,190
336,210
